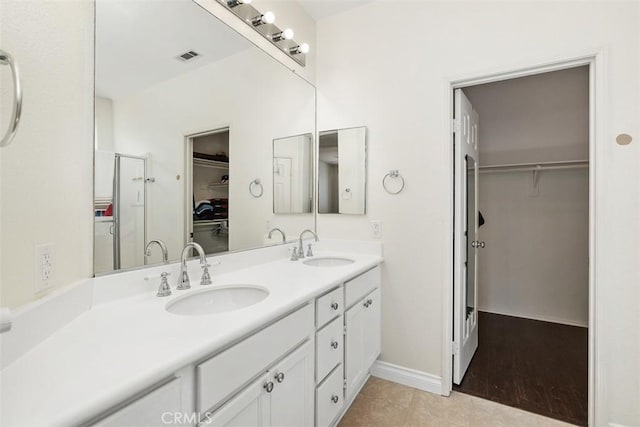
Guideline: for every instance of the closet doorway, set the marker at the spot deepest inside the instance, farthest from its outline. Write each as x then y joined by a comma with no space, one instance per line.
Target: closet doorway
521,263
208,161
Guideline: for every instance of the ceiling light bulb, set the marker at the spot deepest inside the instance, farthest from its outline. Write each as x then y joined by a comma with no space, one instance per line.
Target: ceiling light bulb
304,48
283,35
268,18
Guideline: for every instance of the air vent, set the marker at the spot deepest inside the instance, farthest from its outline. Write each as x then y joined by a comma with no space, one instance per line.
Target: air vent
188,56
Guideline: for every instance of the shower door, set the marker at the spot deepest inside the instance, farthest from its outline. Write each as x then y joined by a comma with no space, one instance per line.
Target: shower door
465,313
129,211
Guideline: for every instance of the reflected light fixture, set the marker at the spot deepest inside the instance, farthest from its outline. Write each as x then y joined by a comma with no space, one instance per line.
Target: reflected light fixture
283,35
303,48
266,18
234,3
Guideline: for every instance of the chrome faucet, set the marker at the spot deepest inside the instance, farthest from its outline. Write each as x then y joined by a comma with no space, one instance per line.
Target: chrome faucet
183,277
300,246
284,238
163,248
164,290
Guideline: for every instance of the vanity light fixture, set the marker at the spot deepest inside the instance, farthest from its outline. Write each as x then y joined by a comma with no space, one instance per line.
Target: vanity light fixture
266,18
263,24
282,35
296,50
234,3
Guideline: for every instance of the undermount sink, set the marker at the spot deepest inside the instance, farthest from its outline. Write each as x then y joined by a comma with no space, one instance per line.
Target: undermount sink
217,300
328,262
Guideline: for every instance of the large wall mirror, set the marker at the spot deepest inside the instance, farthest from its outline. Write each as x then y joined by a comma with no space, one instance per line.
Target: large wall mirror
186,112
342,171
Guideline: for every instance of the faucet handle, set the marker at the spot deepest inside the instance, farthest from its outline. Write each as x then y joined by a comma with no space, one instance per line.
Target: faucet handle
206,278
164,290
183,280
309,251
294,254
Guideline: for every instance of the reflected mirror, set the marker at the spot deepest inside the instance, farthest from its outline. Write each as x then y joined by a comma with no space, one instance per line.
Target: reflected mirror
293,174
186,110
342,171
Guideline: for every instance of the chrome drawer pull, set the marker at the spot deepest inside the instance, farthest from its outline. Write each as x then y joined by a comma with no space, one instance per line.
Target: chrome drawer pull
335,398
268,386
334,345
279,377
334,306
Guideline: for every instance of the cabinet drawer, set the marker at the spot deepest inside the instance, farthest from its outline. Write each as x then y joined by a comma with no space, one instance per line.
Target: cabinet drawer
228,371
329,306
329,351
357,288
329,398
149,409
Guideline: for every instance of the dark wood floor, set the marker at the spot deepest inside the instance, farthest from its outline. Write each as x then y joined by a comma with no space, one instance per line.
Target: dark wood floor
537,366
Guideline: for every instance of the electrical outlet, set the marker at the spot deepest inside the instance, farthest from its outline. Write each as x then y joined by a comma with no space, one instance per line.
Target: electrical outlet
44,268
376,229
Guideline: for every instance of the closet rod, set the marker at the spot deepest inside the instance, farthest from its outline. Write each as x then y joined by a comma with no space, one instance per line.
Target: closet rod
515,167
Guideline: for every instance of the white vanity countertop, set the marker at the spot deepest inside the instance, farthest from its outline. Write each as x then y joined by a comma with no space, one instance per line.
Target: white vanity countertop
120,348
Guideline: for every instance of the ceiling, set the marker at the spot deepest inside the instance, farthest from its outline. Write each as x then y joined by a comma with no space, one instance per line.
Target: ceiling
319,9
137,43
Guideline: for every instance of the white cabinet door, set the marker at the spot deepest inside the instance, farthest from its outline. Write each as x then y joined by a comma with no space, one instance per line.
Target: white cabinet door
373,327
292,398
355,370
250,408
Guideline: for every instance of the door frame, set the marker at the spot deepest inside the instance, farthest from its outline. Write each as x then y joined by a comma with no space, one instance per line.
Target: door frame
596,61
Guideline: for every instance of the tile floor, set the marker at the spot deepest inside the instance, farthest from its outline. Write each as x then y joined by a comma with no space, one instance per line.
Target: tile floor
382,403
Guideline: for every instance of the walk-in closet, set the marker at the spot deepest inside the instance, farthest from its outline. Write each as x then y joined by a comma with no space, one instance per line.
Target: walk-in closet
532,244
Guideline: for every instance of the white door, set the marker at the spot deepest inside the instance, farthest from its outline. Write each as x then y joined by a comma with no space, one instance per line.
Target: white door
466,244
373,327
292,401
282,185
354,348
250,408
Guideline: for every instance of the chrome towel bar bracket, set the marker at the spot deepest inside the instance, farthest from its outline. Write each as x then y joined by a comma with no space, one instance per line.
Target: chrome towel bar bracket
7,59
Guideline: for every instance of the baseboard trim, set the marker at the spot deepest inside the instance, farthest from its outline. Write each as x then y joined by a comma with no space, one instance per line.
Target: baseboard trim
406,376
540,318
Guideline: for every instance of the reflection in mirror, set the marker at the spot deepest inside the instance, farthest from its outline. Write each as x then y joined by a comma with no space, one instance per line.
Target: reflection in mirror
293,174
190,108
342,171
471,235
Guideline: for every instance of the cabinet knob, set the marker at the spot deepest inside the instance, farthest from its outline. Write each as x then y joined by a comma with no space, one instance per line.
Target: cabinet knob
366,304
335,398
279,377
268,386
370,301
334,344
334,306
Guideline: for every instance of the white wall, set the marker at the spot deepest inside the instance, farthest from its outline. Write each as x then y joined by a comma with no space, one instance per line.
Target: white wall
46,173
536,262
386,65
157,120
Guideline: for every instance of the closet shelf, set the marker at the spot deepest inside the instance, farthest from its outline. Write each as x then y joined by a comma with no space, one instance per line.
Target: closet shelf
210,163
528,167
218,185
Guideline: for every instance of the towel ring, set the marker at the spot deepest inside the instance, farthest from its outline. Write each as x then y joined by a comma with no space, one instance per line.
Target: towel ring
7,59
393,174
256,182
